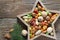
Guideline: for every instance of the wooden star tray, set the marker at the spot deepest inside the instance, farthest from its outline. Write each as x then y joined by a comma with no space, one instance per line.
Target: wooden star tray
39,8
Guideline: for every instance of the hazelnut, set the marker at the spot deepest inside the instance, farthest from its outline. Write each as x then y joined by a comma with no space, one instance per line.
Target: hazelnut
42,9
50,14
7,36
39,7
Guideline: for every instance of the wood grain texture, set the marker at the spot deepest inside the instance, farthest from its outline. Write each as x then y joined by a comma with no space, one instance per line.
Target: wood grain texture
7,23
11,8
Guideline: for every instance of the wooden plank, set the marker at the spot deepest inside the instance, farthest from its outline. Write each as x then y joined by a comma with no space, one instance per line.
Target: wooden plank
11,8
7,23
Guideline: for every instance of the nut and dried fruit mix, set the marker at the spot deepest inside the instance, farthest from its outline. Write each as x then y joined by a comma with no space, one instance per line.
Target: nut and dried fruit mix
40,21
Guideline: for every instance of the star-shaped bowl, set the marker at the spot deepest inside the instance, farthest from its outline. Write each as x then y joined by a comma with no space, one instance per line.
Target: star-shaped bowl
39,22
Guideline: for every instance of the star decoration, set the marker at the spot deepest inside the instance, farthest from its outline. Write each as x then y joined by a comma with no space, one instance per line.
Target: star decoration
40,22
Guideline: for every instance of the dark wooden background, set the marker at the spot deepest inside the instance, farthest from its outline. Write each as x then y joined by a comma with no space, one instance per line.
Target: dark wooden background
11,8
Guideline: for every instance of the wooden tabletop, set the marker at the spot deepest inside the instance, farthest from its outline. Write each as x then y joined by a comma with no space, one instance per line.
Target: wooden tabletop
11,8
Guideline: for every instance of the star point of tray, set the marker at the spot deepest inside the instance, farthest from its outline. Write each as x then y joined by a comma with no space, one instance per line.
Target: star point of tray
40,21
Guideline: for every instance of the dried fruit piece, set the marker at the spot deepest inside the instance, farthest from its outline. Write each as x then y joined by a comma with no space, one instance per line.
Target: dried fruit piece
39,7
36,10
32,35
44,31
32,22
33,30
52,18
30,28
43,23
36,16
37,27
48,22
33,14
39,13
44,27
42,9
